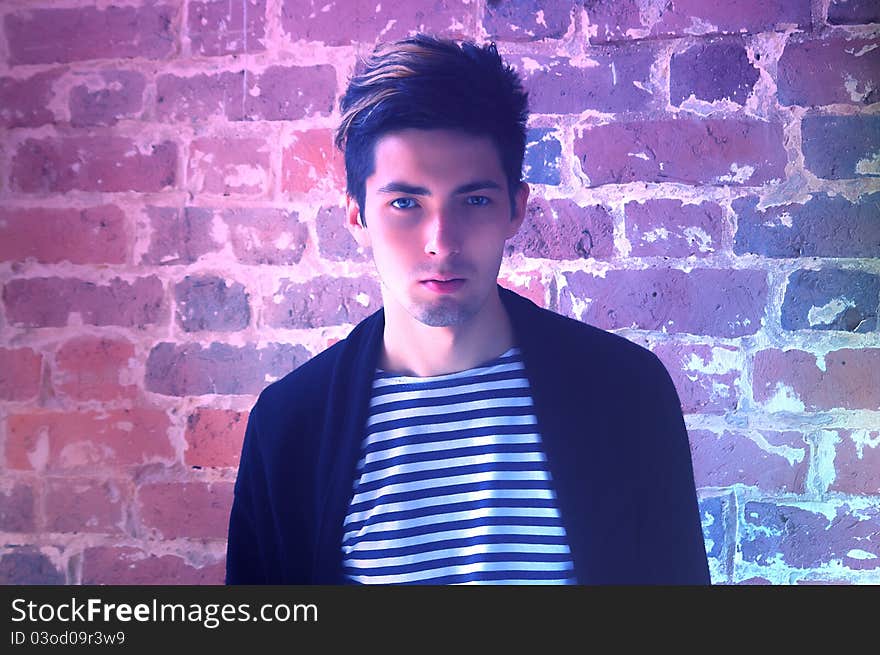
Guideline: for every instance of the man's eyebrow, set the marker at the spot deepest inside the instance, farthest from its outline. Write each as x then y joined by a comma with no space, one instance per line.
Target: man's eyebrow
411,190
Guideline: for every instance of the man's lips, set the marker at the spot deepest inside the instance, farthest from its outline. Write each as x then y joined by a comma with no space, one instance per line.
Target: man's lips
443,284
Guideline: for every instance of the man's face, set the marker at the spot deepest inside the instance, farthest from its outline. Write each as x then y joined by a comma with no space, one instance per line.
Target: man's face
438,212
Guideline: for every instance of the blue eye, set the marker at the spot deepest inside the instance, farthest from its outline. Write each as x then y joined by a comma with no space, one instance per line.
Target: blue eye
478,201
403,203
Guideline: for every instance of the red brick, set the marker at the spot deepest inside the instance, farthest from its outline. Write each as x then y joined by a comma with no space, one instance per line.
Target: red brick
186,509
707,377
609,81
335,242
528,284
49,302
812,73
61,441
179,236
229,166
120,565
94,235
223,27
85,505
107,98
16,507
41,36
527,20
723,303
613,20
321,302
734,457
20,370
107,163
214,437
208,302
857,463
25,102
315,20
266,236
312,162
670,228
200,97
795,380
841,147
712,71
690,151
853,12
194,370
95,368
562,229
287,93
25,565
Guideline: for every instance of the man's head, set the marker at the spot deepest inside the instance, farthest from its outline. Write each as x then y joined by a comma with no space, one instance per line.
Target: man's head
428,84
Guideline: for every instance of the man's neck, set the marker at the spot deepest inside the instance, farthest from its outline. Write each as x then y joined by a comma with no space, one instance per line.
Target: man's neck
414,349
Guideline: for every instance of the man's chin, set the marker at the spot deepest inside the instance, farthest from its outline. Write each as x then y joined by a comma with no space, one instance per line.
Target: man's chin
445,313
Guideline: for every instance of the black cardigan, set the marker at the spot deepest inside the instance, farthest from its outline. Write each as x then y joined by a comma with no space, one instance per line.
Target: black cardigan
610,423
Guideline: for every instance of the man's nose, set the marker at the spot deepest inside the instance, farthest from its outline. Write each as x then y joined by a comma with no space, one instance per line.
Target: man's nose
443,233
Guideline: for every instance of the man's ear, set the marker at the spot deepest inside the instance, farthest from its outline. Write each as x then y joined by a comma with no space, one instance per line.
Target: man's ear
519,209
354,222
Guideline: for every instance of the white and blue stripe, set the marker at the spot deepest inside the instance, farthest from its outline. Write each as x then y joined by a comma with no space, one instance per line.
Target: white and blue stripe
452,486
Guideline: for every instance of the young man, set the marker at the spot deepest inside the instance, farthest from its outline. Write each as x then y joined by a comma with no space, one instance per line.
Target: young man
461,434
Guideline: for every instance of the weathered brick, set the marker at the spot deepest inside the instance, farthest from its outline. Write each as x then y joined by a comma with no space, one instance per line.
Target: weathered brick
312,162
543,157
615,79
85,505
812,73
223,27
287,93
122,565
714,511
28,566
614,20
316,20
25,102
824,226
853,12
95,368
207,302
229,166
42,36
712,71
16,507
186,509
60,441
795,380
199,97
831,299
214,437
670,228
710,151
106,98
562,229
179,236
20,370
767,459
94,235
88,163
811,535
266,236
322,301
723,303
527,20
334,240
49,302
529,285
841,147
706,377
193,370
856,462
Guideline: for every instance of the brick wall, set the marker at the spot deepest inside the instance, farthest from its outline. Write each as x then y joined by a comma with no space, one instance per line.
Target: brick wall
706,180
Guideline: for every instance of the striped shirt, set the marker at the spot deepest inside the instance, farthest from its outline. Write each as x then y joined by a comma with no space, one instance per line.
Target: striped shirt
452,486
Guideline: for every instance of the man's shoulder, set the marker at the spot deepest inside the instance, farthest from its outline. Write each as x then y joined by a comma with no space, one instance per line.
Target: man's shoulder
310,379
